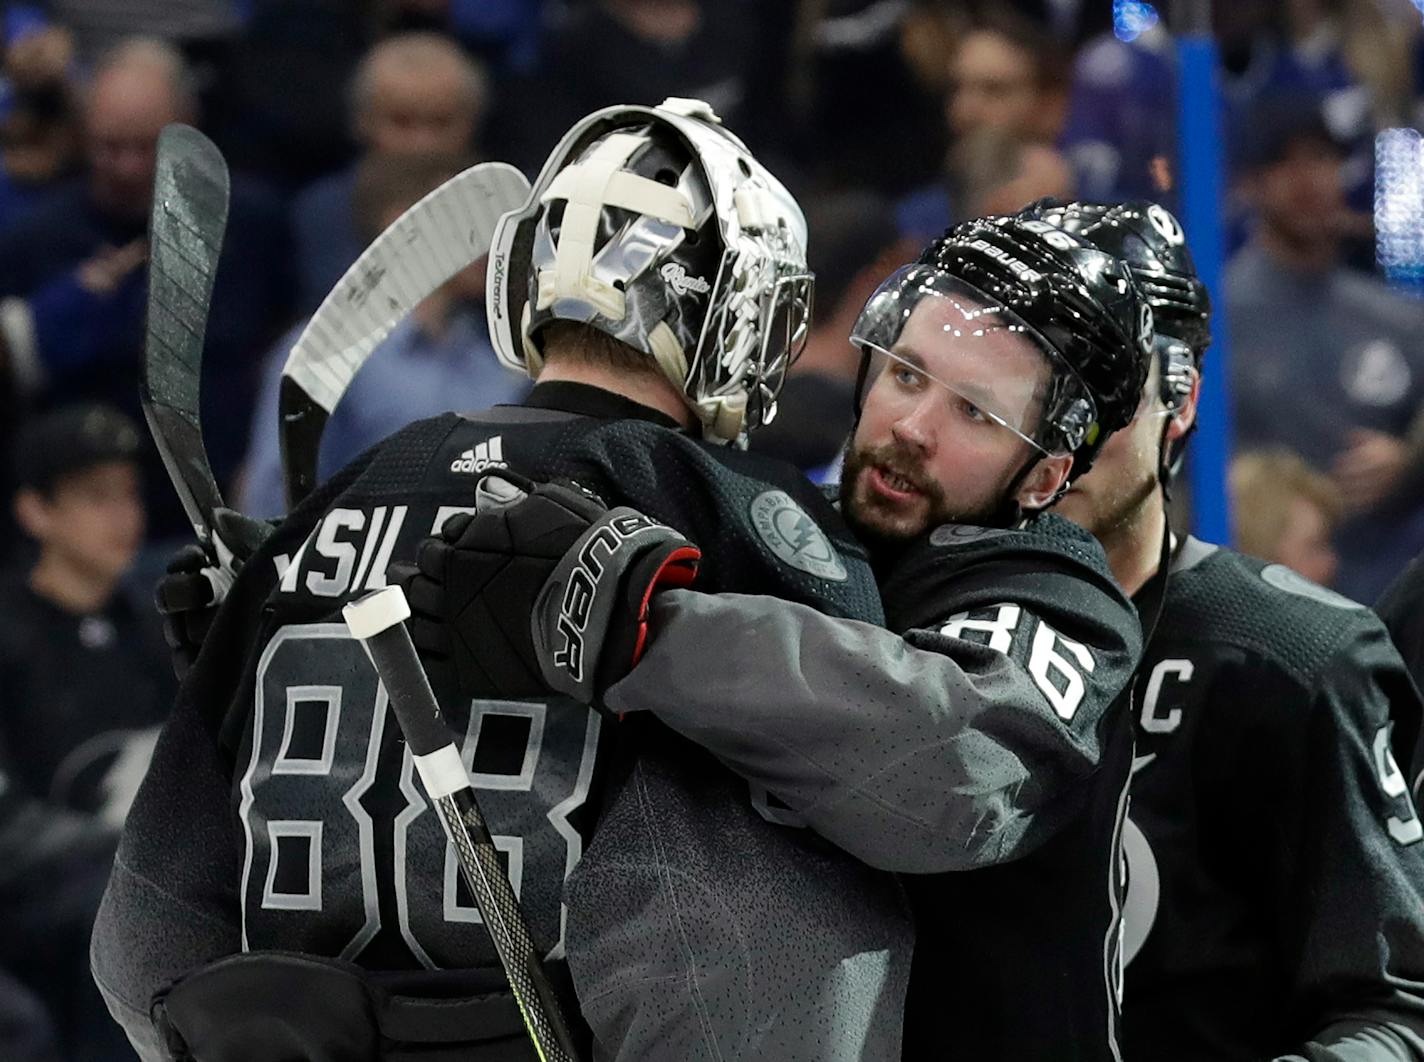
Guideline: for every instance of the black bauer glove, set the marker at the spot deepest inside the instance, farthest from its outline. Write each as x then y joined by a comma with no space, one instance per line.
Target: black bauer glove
542,589
197,583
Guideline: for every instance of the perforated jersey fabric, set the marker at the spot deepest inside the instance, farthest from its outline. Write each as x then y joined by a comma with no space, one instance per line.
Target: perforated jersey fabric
1402,609
692,924
1275,902
980,746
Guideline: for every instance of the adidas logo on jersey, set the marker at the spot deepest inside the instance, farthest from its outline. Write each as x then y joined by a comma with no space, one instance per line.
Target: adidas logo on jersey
484,456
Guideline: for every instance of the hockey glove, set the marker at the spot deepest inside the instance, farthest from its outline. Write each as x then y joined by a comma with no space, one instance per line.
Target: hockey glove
543,588
197,583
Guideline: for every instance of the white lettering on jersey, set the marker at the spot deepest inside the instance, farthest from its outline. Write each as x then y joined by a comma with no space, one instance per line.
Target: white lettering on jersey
330,547
1151,721
359,542
484,456
1044,658
1404,830
1000,629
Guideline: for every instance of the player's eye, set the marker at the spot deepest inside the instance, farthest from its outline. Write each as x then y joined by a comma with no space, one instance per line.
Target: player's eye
973,412
907,377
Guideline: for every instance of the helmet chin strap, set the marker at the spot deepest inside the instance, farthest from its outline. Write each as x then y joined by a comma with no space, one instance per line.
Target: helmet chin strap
1153,595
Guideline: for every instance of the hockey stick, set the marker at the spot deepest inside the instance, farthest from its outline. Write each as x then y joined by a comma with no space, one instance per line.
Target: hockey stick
186,226
440,235
377,620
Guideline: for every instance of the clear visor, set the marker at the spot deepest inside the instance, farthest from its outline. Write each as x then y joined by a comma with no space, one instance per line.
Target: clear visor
930,334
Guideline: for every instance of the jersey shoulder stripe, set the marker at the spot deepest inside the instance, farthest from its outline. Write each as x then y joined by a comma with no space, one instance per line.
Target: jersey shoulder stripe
1230,600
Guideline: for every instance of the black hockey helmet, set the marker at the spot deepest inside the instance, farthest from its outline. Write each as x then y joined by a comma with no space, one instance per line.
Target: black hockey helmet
1078,304
1151,241
656,226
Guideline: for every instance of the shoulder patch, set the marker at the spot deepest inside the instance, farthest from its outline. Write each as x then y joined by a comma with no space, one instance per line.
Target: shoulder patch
955,534
794,537
1283,578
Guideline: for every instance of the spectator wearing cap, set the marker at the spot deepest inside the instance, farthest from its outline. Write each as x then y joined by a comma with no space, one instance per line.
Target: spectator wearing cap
84,675
84,684
1326,361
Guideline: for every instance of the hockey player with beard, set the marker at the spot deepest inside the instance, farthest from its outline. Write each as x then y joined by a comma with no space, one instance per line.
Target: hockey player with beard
283,888
1275,904
981,745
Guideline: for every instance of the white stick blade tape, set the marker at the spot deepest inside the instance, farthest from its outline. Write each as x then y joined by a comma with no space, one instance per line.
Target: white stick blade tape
422,249
442,771
377,611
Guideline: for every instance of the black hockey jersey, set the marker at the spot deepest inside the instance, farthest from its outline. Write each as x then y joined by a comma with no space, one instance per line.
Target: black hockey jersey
81,698
1402,609
284,779
981,745
1275,900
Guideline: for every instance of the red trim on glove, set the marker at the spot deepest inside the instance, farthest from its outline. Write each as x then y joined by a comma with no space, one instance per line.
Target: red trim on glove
679,568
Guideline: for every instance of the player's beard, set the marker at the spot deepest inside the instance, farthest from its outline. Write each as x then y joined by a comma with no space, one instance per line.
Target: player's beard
1121,511
875,526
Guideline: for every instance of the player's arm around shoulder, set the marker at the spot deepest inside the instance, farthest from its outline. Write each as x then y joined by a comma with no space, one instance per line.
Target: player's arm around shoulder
953,742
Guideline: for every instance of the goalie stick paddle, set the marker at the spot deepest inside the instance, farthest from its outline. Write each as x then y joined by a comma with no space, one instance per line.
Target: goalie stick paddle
377,620
186,226
433,240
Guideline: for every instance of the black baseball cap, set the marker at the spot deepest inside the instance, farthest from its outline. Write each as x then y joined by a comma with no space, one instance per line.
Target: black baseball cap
72,439
1268,130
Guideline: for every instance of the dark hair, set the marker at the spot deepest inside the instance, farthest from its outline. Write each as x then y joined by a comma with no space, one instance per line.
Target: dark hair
1051,58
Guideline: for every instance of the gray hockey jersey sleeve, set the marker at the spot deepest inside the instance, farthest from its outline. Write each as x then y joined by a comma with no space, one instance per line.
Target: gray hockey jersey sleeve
953,744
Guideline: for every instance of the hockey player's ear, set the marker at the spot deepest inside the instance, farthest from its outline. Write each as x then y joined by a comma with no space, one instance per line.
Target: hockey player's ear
1043,482
1185,414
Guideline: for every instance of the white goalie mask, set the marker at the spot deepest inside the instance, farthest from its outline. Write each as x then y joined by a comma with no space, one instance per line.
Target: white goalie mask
656,226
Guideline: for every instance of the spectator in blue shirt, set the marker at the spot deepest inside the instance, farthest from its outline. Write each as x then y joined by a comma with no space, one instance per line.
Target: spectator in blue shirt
1326,360
413,94
439,358
73,287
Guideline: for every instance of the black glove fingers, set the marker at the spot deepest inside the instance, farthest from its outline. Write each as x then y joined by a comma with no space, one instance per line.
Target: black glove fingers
487,532
568,495
241,534
432,558
426,597
183,592
454,527
431,637
189,558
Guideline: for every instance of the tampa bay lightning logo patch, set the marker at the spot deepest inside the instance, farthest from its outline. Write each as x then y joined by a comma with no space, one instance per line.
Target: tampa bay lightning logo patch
958,534
794,537
1283,578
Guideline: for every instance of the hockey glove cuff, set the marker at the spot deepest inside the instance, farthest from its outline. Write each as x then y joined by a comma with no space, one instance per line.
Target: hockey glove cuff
474,583
590,621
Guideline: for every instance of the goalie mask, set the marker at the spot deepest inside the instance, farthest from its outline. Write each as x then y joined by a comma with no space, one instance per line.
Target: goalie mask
658,227
1089,331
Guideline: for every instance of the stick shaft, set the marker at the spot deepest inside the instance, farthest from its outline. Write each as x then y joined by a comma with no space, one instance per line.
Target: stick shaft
378,622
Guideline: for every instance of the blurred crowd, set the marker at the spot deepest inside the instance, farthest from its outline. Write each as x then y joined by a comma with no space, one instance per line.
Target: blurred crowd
890,119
